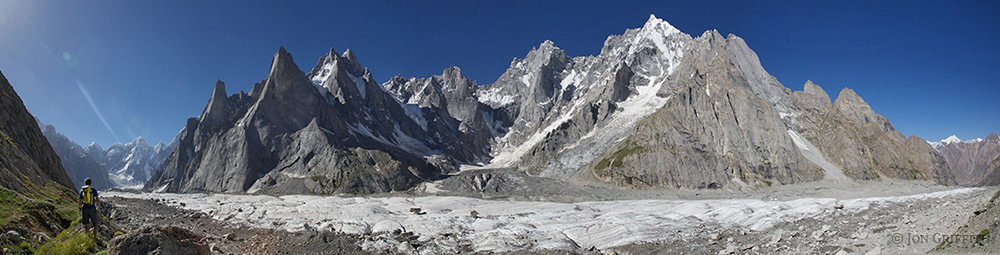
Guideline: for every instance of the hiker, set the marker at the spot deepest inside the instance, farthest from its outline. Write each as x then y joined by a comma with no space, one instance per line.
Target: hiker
88,200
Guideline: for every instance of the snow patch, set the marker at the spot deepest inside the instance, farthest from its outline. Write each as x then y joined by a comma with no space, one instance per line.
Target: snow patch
816,157
411,144
600,139
494,96
526,80
360,82
319,79
415,113
161,189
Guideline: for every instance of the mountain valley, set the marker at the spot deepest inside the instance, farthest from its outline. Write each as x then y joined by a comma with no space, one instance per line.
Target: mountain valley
663,142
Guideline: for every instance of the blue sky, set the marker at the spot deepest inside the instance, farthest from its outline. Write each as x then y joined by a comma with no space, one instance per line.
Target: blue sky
148,66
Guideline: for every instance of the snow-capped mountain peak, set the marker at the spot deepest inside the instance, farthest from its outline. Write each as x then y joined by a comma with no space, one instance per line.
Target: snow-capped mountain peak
951,139
95,146
940,144
655,24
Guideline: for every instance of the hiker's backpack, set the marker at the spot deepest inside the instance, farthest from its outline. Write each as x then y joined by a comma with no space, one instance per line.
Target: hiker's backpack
88,195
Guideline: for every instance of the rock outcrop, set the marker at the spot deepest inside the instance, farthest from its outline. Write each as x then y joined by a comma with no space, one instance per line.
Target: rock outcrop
159,240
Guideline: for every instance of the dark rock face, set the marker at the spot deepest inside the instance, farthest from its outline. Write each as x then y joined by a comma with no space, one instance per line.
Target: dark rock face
78,163
159,240
25,154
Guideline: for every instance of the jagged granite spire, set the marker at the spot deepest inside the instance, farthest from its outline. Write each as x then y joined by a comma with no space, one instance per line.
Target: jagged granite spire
217,108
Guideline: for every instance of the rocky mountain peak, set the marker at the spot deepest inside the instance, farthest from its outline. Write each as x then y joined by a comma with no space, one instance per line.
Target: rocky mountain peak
284,74
282,65
657,25
993,137
812,98
220,89
952,139
848,96
351,61
547,44
451,72
853,106
94,145
546,54
216,108
139,141
282,53
813,89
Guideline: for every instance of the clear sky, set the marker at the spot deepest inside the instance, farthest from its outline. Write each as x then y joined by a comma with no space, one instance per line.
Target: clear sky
109,71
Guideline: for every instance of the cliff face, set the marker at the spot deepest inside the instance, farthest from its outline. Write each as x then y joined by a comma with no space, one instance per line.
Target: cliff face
37,194
26,157
716,129
728,124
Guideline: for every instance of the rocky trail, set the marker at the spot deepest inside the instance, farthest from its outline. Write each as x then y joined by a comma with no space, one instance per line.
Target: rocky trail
146,220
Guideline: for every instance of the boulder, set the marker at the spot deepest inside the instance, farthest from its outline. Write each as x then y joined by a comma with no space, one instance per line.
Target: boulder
159,240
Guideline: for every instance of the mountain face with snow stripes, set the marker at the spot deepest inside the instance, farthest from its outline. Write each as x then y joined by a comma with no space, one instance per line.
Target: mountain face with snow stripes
656,108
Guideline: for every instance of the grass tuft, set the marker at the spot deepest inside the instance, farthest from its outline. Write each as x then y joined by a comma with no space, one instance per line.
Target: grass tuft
70,242
616,159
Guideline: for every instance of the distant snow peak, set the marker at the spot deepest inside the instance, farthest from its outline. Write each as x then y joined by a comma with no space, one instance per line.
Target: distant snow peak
955,139
952,139
659,25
